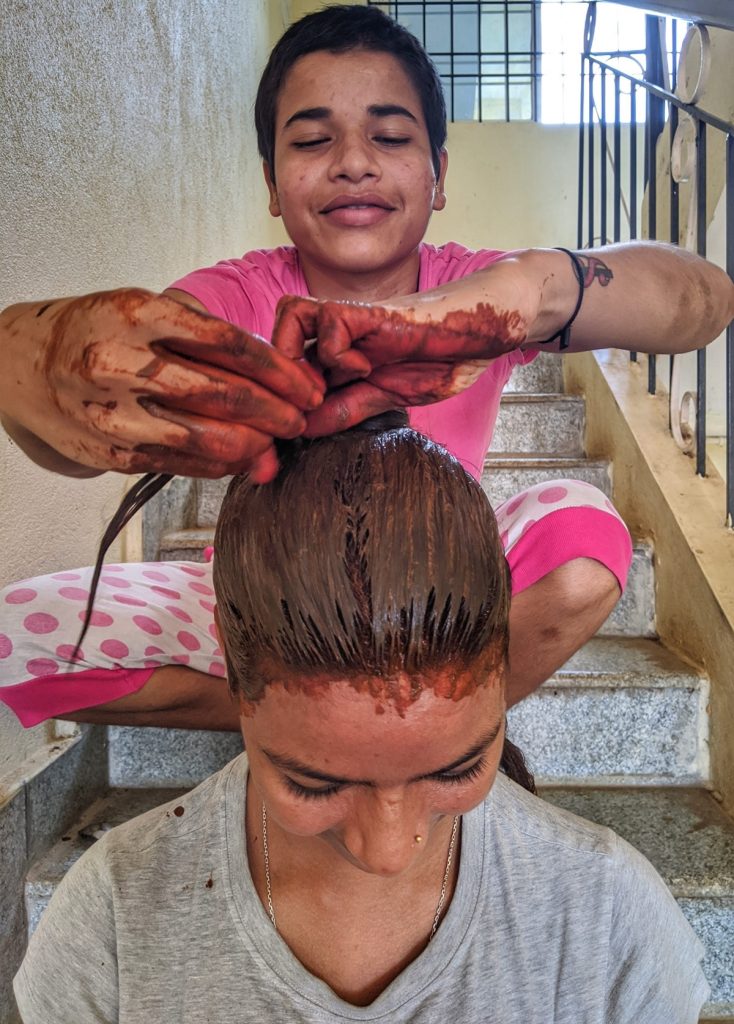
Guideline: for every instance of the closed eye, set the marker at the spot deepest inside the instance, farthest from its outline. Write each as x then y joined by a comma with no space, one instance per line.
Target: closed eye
466,775
309,143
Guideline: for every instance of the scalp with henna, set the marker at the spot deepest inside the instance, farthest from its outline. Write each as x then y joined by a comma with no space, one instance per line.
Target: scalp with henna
372,557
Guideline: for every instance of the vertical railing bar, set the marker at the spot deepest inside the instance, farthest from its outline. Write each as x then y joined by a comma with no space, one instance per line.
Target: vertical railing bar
633,162
674,234
479,59
507,60
591,153
580,198
603,158
652,216
617,162
701,227
633,173
730,335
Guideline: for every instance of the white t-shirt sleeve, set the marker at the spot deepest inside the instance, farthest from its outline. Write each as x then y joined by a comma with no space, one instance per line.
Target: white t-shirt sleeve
654,970
69,974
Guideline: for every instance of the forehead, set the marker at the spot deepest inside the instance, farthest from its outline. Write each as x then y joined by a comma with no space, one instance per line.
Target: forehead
344,732
347,82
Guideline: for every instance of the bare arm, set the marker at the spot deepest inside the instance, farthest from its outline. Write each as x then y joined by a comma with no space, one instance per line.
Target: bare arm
640,296
426,347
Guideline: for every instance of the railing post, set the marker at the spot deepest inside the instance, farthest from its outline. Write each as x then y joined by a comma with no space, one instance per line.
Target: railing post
701,227
730,335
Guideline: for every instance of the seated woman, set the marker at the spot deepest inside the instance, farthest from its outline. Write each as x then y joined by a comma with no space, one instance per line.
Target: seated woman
378,854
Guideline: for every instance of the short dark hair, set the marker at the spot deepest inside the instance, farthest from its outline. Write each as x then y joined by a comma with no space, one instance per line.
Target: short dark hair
372,553
338,29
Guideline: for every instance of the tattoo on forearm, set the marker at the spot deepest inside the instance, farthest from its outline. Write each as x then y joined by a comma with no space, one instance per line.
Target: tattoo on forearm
595,270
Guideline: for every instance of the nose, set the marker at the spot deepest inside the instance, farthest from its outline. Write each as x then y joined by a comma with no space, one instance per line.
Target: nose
354,159
382,832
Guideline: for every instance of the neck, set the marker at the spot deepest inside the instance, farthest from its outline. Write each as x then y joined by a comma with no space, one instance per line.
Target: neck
379,285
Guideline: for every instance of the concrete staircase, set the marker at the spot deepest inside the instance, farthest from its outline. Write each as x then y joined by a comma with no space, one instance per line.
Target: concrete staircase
619,735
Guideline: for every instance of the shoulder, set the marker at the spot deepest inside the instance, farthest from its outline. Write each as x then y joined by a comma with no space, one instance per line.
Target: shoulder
541,822
452,261
245,291
188,820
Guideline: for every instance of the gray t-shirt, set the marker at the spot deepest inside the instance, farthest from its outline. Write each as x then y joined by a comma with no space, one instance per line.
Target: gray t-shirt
554,921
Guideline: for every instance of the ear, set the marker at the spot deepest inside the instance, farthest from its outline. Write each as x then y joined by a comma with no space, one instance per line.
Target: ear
439,196
274,202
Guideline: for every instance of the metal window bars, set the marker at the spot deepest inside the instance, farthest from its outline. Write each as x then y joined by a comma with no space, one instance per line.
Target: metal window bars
689,152
487,53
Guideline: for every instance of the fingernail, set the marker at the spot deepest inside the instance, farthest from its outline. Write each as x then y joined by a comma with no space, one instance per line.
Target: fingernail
315,400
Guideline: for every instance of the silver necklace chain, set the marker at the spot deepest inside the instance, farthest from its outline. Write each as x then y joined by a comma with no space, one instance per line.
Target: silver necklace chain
444,884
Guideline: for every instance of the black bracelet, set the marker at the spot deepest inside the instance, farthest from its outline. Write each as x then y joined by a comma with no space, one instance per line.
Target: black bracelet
565,331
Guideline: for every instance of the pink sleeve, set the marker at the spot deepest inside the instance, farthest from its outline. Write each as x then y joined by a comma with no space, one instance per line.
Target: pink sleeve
245,292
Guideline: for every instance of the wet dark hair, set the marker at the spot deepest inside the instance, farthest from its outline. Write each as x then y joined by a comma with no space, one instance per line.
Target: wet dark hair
339,29
372,554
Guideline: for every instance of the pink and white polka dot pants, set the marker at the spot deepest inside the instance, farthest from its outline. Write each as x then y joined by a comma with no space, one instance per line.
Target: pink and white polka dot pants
161,613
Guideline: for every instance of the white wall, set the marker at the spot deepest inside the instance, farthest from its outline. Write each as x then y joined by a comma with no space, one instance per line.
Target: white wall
128,157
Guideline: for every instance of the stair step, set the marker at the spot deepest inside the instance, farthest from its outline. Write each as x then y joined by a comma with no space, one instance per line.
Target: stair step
682,831
506,474
621,711
543,376
114,808
634,613
689,839
540,425
149,758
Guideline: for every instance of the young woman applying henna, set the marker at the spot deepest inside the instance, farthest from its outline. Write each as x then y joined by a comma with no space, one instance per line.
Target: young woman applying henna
351,125
364,861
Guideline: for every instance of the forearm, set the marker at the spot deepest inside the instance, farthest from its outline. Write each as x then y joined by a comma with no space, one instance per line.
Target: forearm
642,296
648,297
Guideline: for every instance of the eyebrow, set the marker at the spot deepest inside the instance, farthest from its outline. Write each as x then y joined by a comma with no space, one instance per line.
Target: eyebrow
290,764
376,110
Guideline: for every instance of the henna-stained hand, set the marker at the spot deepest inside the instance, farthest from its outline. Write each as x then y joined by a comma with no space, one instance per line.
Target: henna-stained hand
378,357
356,338
136,382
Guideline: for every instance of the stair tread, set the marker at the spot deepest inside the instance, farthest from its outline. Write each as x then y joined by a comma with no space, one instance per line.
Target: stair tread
682,831
627,661
528,397
539,460
113,808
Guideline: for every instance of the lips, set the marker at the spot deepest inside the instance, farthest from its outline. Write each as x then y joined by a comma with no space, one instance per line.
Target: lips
363,201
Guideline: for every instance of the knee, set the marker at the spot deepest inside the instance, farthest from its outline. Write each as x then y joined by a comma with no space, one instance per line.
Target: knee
584,585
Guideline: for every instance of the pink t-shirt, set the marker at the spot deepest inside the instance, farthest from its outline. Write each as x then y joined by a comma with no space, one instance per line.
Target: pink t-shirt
246,291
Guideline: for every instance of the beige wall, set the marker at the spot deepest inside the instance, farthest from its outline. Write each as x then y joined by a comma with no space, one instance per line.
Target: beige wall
128,157
509,186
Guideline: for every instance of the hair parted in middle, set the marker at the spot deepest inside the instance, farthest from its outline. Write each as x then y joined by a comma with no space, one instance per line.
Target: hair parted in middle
372,554
340,28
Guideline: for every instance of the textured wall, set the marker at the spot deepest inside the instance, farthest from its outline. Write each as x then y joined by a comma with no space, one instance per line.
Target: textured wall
127,157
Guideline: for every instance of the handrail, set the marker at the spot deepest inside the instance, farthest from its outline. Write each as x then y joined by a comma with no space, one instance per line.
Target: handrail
688,125
719,13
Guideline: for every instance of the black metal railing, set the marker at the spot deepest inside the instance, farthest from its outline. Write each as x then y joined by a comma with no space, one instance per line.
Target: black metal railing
606,170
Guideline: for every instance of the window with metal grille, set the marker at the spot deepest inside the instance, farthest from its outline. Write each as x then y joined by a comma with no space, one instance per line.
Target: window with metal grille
520,60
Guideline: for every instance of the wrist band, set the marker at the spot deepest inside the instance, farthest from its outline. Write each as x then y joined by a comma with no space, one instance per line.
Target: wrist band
565,331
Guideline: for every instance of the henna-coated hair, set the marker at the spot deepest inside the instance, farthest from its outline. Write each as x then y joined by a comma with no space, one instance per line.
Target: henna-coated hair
340,28
372,554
